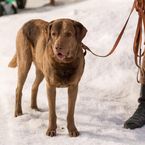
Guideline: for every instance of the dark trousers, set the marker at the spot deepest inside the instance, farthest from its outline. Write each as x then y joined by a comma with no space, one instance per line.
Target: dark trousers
142,94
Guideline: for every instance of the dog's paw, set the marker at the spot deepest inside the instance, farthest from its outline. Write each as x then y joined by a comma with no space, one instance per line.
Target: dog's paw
74,133
35,108
18,113
51,132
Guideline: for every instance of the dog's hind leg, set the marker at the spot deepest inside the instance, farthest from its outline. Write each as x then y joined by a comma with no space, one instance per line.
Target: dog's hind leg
52,2
38,80
23,69
24,61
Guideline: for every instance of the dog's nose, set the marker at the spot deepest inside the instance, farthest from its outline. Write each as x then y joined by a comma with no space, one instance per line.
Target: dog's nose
58,48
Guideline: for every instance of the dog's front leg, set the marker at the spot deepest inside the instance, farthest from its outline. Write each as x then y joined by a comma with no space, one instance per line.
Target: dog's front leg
51,93
72,95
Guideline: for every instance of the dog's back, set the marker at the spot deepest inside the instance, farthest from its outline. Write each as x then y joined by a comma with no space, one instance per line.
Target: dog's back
27,38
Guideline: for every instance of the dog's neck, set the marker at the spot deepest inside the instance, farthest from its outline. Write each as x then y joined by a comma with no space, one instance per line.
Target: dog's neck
65,71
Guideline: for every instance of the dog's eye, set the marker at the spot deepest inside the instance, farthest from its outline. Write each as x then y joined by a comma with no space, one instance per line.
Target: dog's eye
53,34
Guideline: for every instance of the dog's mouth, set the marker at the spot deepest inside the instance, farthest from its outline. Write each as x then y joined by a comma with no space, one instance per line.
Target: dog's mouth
61,56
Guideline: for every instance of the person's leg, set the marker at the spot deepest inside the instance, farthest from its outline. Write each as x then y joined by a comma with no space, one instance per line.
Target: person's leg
137,120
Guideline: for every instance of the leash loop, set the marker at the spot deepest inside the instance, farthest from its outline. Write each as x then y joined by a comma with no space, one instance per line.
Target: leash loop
139,5
117,40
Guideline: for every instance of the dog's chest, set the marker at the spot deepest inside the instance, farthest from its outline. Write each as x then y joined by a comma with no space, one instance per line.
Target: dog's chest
63,75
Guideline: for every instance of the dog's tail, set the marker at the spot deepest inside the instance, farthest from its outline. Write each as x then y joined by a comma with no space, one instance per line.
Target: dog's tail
13,62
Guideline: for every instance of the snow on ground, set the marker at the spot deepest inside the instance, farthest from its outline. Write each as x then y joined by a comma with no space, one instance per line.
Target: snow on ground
108,91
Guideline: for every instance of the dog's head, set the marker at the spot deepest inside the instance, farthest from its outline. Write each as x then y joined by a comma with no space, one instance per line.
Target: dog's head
65,36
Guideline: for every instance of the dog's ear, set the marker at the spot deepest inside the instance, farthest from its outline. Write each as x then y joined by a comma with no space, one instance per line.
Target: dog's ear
80,31
49,29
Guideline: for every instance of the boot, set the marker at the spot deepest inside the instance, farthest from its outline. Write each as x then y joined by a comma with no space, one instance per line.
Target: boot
137,120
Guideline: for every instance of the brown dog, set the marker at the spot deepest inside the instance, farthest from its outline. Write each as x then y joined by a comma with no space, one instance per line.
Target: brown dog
55,49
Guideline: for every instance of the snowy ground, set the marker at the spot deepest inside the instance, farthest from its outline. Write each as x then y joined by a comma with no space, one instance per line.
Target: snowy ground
108,91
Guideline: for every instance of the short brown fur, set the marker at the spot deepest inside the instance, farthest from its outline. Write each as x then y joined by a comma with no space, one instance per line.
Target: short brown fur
55,49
